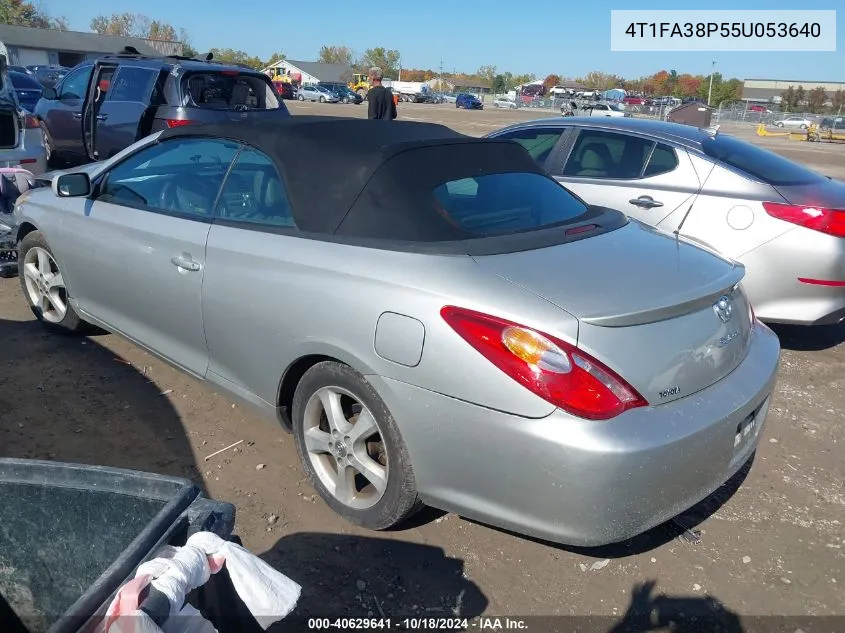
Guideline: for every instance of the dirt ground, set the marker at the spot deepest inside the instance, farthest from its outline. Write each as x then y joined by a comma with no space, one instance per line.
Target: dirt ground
770,547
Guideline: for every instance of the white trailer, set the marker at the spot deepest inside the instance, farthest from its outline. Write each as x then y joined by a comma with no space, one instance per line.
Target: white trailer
410,91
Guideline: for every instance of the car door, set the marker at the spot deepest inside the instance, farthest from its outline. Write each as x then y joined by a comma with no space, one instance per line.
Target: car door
122,115
135,252
253,273
63,115
99,91
646,179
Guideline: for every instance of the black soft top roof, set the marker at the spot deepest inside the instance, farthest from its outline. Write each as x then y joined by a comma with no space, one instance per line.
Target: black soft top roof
361,178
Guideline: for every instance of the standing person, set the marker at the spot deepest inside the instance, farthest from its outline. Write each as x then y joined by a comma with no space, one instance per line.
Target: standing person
381,103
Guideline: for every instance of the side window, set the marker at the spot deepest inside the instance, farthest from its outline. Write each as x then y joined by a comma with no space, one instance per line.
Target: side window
132,84
75,85
538,141
180,176
254,193
663,160
607,155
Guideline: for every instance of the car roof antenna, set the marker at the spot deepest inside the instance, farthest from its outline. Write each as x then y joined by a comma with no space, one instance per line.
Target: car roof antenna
677,231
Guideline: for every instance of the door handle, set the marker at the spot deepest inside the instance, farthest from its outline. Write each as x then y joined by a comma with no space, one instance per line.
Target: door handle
185,263
102,117
645,202
77,115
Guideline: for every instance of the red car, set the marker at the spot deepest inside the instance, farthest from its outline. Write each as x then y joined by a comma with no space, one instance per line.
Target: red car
758,108
635,101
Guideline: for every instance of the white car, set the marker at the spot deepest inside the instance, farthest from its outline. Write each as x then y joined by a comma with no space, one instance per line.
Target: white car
21,138
605,109
504,102
794,121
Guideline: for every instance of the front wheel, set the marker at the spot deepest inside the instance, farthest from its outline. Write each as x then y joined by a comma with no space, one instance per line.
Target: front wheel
44,287
322,99
301,98
779,124
351,449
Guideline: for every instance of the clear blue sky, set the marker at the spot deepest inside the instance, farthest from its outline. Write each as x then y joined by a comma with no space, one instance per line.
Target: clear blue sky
538,36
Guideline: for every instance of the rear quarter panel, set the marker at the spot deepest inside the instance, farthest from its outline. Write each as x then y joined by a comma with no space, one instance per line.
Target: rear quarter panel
729,216
270,299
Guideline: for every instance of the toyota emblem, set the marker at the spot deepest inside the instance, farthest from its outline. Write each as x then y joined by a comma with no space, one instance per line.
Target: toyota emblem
723,308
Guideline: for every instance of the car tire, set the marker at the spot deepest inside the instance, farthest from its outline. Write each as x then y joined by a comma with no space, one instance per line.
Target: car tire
322,446
803,126
301,98
39,271
322,99
779,124
53,161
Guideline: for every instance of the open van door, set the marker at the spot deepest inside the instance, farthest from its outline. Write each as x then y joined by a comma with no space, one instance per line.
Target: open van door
126,114
98,92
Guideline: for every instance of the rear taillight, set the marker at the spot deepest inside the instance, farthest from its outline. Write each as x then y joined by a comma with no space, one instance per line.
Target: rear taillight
177,122
556,371
31,122
829,221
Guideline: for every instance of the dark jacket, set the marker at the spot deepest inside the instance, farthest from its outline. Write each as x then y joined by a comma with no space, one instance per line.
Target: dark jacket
381,104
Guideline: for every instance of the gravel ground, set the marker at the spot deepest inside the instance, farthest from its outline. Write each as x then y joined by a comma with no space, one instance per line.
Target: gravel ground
770,547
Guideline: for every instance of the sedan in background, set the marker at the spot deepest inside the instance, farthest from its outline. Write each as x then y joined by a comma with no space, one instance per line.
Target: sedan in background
343,92
423,341
27,89
799,122
605,110
504,102
468,102
316,93
784,222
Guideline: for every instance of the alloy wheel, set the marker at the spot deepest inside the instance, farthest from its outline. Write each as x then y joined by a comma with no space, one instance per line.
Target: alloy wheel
345,447
44,284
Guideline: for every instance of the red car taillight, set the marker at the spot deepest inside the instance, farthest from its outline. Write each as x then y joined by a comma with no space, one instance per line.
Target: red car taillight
829,221
177,122
31,122
556,371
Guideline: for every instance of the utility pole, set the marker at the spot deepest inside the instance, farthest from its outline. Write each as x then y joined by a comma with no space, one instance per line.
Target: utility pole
710,90
400,69
440,80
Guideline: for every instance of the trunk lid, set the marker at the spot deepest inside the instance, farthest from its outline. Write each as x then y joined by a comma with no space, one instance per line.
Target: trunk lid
648,305
9,116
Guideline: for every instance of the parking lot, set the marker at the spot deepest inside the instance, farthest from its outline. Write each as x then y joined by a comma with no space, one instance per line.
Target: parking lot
774,546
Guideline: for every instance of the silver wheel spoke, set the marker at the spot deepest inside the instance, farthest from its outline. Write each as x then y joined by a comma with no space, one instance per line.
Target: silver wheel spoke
344,488
30,271
330,400
372,471
317,441
364,428
44,303
43,262
55,281
59,305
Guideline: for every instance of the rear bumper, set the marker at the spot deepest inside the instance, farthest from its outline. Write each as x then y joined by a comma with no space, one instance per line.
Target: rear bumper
579,482
774,272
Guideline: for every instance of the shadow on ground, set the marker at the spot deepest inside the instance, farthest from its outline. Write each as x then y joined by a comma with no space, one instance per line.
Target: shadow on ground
70,399
815,338
352,576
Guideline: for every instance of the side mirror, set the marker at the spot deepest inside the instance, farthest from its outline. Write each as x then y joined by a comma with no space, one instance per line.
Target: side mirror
49,93
72,185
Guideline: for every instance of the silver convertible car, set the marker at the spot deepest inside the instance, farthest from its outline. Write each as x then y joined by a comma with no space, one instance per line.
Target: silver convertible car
435,319
784,222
